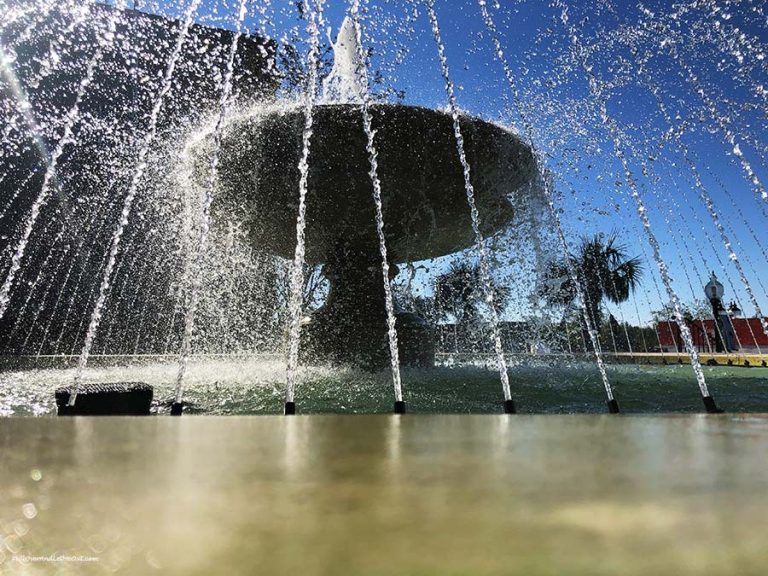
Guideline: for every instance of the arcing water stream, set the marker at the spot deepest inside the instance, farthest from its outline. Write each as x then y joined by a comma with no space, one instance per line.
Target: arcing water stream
314,15
610,126
49,180
479,240
141,166
546,183
165,275
360,74
196,266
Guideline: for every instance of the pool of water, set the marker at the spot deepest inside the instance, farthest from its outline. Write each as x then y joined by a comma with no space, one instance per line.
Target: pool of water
249,385
385,495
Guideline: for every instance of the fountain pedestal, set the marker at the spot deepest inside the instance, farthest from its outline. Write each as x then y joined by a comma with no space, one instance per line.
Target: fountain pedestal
351,328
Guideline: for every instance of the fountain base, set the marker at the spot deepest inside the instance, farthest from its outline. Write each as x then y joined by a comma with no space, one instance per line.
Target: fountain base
351,328
114,399
710,406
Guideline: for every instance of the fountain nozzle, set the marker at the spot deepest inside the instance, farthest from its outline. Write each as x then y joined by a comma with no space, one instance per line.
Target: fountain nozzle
710,406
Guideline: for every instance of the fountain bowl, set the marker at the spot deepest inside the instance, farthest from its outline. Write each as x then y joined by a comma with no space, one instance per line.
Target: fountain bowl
425,203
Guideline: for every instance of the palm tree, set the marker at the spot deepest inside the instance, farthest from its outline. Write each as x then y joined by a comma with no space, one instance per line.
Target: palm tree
605,271
459,292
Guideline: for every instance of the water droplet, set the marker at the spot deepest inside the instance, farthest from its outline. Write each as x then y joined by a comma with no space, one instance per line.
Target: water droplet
29,510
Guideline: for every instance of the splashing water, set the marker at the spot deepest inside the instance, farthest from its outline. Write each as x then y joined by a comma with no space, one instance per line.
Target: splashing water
546,185
610,126
722,122
703,193
479,240
181,275
141,166
361,77
344,84
297,272
205,217
72,117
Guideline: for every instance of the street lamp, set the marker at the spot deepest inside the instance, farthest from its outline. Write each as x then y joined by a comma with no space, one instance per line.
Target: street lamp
714,291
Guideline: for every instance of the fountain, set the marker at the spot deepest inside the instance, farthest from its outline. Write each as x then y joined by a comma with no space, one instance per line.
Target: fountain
423,194
109,253
198,219
425,207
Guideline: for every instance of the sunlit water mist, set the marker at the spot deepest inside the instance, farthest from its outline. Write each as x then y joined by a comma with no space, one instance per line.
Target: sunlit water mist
195,271
107,201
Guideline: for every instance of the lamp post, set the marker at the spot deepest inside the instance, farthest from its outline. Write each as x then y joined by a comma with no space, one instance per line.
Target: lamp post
714,292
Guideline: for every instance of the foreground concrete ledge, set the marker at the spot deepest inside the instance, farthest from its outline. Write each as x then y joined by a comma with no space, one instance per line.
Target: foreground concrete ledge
373,495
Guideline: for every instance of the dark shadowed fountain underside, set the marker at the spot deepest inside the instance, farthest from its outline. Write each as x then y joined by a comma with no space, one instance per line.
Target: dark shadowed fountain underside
424,203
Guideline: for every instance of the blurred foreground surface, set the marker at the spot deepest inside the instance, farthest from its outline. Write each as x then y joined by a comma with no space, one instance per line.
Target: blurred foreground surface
380,495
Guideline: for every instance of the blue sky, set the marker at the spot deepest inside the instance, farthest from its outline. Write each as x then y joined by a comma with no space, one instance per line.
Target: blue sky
593,190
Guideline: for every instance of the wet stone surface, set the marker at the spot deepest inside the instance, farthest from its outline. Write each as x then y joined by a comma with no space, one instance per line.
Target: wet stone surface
386,495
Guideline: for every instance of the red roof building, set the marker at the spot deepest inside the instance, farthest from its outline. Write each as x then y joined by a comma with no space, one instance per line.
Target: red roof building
749,335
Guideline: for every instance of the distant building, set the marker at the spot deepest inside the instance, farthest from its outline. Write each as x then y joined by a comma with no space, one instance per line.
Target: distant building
748,335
